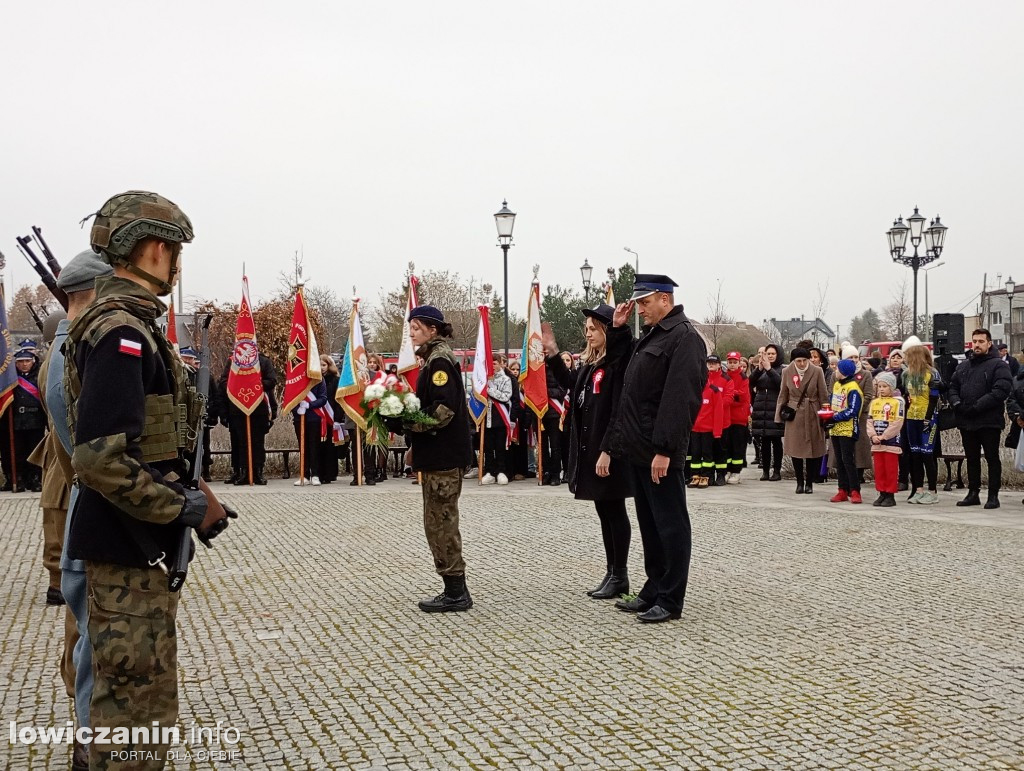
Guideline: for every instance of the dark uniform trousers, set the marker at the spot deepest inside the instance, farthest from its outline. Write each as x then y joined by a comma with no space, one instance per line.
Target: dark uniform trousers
665,531
135,659
441,490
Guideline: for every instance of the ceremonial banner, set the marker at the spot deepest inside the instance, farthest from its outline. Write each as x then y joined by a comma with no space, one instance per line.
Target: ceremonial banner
8,372
533,378
610,295
407,353
245,383
354,375
302,369
483,366
172,328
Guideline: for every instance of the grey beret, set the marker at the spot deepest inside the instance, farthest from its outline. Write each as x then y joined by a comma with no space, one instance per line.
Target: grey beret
81,273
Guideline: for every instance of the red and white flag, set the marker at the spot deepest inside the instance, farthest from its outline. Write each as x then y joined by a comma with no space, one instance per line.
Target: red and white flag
302,370
407,365
245,382
172,327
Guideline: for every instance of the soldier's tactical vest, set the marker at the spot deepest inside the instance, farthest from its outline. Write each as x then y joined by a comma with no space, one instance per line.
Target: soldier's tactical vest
172,420
840,403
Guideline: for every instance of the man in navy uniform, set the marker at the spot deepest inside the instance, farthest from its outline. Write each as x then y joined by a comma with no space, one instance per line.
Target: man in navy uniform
661,397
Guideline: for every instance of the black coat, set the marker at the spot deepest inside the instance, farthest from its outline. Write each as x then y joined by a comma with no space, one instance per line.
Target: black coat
661,393
765,386
27,409
594,390
1015,409
979,390
442,395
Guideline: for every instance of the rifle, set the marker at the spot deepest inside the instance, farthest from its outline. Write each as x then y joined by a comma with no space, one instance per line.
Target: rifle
55,269
35,316
25,245
179,570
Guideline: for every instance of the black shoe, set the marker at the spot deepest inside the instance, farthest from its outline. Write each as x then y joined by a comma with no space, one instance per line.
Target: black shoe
764,477
656,615
54,597
454,598
808,488
903,487
972,499
720,479
878,500
231,479
615,586
600,586
800,488
636,605
259,479
555,481
888,499
993,501
242,480
370,481
545,480
775,477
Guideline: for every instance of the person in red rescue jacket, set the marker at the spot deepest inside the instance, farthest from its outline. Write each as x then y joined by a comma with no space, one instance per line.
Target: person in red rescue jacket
707,452
737,435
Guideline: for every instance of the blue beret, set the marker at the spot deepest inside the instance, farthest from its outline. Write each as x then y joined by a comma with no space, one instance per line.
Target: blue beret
427,313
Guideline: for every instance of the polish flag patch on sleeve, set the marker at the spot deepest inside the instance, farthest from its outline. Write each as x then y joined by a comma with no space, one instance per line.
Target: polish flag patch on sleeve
130,347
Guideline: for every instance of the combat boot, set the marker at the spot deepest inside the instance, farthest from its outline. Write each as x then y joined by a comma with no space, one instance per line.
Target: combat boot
231,479
993,500
259,478
616,586
455,597
972,499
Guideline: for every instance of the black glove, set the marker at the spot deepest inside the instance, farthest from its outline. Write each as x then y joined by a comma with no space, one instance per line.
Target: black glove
194,511
218,527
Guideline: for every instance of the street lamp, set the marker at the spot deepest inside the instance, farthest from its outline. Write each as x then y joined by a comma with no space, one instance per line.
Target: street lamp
505,220
927,318
586,272
1010,289
934,238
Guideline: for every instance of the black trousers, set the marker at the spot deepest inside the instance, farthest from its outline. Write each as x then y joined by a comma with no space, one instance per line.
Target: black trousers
845,448
552,445
771,453
25,440
702,453
735,439
495,461
986,439
806,469
312,447
615,531
665,532
921,463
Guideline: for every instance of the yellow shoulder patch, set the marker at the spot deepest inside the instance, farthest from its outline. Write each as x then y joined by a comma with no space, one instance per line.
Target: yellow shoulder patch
440,378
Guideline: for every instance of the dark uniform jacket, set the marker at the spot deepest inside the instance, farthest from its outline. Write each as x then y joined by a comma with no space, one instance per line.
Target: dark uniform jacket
118,372
1015,409
442,395
27,410
594,390
765,386
661,394
978,392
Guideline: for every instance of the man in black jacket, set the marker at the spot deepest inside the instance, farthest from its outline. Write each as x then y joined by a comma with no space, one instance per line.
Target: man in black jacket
661,396
978,392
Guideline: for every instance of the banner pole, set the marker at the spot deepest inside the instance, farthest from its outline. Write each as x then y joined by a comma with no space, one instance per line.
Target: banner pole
302,450
540,451
480,460
359,457
248,443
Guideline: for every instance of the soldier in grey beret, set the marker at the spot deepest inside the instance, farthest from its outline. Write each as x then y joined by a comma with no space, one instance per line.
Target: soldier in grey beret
81,273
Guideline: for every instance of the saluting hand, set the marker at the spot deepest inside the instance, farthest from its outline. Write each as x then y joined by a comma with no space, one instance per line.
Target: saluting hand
547,337
621,316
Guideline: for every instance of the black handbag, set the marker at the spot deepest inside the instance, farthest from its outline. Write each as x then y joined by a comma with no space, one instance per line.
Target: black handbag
788,413
945,418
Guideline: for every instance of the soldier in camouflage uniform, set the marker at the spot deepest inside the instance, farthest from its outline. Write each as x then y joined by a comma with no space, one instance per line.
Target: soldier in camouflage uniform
441,452
130,463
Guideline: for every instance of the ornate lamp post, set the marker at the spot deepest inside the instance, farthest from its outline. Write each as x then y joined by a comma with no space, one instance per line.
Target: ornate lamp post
505,220
586,272
1011,288
934,237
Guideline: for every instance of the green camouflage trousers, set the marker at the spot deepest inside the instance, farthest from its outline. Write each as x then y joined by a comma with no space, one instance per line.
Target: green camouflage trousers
135,661
441,490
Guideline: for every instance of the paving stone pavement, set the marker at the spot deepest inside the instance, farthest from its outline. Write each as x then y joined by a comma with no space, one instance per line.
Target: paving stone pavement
815,635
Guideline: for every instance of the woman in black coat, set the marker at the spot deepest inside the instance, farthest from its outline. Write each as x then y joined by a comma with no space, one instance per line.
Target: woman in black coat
1015,411
594,388
765,384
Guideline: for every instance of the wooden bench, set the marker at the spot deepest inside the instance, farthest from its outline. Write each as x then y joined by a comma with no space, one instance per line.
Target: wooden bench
285,454
950,459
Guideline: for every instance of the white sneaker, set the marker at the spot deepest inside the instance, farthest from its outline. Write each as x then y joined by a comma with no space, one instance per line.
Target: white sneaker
928,498
299,482
502,479
488,479
733,479
471,474
315,481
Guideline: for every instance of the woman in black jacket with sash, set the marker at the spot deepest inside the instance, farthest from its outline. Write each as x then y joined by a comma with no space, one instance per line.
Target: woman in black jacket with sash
593,475
765,386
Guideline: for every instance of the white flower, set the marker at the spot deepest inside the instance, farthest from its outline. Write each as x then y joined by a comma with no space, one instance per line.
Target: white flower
375,391
412,402
391,406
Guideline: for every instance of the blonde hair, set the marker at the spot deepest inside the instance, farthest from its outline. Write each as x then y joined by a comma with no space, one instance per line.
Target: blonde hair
918,361
593,355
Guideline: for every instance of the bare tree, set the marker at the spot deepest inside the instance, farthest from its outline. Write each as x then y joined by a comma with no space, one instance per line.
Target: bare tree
718,317
898,316
820,305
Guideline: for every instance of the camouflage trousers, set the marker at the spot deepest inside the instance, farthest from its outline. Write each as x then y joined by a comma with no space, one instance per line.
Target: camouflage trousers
135,662
441,490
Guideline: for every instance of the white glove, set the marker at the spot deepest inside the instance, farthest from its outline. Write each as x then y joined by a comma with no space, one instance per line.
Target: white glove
301,409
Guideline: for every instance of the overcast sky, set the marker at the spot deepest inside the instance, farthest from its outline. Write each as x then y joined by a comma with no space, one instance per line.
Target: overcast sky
768,145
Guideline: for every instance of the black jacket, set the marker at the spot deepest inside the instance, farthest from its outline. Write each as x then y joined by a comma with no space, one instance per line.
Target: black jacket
442,395
594,390
661,393
1015,409
27,409
978,392
765,386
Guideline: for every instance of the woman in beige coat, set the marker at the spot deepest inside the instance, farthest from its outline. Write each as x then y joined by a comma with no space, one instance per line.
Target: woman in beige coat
803,391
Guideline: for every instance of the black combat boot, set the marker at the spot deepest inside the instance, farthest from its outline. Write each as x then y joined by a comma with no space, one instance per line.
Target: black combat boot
888,499
616,586
720,478
231,479
603,582
258,478
878,500
993,500
972,499
455,597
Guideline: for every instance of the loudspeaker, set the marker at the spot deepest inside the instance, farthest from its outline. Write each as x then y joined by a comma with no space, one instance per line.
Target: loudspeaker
949,333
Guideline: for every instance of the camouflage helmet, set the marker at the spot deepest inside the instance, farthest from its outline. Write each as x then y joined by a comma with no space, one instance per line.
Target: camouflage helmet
126,219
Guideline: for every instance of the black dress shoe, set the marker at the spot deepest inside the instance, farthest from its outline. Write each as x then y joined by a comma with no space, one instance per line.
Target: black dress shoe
615,586
656,615
601,585
54,597
764,477
972,499
231,479
555,481
808,488
775,477
259,479
636,605
800,488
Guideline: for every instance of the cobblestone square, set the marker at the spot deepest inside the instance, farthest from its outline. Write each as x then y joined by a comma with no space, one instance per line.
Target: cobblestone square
814,636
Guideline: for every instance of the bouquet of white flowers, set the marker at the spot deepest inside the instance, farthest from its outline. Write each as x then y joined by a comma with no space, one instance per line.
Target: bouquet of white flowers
386,403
